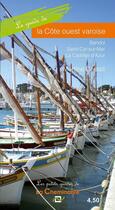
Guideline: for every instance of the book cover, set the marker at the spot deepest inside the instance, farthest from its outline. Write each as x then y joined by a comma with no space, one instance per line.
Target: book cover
57,98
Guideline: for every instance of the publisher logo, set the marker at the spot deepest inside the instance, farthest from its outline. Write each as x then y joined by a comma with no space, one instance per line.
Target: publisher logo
58,199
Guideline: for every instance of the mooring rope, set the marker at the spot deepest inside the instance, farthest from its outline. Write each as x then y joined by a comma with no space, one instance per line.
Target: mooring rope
60,163
89,188
91,132
37,189
46,177
87,161
93,143
95,161
90,163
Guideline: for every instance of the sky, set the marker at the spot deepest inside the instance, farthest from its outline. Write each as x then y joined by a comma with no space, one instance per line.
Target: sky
76,50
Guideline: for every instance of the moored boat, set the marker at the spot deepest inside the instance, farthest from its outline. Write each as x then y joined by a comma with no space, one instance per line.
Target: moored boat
11,183
49,162
7,140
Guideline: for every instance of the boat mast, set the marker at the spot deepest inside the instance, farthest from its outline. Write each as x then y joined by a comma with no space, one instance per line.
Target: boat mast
59,79
44,67
95,72
37,95
35,82
14,86
14,104
71,80
87,80
64,87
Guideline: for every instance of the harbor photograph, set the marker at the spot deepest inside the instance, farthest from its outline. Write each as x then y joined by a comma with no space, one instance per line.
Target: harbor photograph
57,105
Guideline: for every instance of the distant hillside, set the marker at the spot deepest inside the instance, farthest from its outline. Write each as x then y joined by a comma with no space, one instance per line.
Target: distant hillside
107,88
25,88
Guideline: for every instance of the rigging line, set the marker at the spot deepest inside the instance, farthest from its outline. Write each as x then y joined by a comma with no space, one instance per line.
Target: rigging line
30,61
75,72
87,160
56,179
74,171
90,131
95,161
109,156
37,189
48,53
3,154
90,163
42,63
104,136
110,167
45,176
94,192
93,143
83,83
59,163
112,153
85,189
41,49
44,51
30,43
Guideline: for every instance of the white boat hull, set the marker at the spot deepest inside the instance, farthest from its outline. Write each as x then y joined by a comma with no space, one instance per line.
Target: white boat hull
12,182
11,194
55,164
55,169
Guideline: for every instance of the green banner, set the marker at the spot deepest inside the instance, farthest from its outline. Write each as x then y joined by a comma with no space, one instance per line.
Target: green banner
32,19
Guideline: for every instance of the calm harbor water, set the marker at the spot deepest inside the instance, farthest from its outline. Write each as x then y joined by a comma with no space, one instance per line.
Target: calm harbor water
82,174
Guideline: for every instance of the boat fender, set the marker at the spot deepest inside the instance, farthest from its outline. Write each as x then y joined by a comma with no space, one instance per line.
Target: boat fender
105,183
96,208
